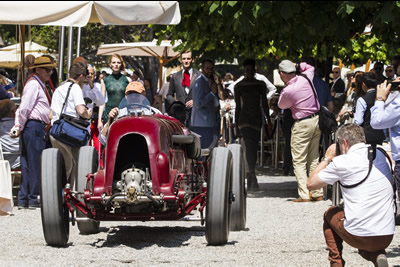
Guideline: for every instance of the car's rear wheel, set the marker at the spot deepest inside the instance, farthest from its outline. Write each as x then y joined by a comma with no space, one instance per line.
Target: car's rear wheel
55,213
219,197
87,163
238,220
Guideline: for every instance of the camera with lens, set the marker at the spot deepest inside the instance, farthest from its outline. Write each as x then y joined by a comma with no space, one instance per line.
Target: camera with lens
395,86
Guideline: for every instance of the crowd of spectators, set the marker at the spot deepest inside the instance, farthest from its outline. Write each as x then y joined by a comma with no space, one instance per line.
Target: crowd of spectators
211,107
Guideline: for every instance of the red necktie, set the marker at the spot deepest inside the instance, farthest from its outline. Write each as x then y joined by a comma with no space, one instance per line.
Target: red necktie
186,79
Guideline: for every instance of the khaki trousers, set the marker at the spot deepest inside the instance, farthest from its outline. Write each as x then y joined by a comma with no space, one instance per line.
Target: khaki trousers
369,247
305,153
70,155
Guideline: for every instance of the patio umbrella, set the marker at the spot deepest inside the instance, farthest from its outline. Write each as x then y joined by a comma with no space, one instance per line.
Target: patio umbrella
164,52
79,13
10,56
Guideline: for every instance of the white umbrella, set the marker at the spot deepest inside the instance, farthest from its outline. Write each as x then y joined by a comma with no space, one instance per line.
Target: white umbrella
10,56
164,52
80,13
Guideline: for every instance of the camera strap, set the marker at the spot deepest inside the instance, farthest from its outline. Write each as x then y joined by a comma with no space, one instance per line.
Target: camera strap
371,157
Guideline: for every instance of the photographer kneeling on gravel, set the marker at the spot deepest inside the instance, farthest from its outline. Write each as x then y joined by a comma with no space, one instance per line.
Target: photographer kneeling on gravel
367,221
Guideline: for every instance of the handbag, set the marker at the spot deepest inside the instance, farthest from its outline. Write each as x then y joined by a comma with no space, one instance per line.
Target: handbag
69,130
327,120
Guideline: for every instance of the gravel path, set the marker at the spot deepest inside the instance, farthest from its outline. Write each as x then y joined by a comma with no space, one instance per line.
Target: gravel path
279,233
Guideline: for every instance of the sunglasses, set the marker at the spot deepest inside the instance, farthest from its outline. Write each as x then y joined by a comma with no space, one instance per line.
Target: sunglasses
388,70
48,70
336,72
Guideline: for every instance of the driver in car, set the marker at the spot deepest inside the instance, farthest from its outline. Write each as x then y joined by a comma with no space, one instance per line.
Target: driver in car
134,99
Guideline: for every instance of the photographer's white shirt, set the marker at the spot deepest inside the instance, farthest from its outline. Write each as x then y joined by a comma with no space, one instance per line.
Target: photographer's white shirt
368,207
75,98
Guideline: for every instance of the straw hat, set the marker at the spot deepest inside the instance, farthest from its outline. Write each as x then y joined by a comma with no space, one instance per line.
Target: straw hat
134,86
41,62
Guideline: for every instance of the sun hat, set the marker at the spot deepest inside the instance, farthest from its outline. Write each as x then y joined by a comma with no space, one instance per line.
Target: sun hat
134,86
287,66
42,62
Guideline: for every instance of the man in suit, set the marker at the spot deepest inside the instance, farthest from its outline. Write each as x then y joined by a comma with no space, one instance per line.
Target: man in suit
337,90
181,85
205,105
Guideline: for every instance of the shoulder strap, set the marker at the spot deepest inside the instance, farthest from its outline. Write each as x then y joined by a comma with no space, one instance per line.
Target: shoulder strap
312,87
66,98
371,157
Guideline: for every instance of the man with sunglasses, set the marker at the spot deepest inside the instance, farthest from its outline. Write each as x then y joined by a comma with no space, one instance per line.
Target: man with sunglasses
337,90
30,122
389,71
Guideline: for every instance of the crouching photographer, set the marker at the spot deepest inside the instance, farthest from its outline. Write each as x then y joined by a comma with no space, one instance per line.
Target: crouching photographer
364,174
68,100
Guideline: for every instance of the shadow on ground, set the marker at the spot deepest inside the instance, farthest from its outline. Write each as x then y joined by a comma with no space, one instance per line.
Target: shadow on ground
138,237
281,190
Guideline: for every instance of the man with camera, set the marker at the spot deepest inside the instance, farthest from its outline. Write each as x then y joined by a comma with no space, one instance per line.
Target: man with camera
367,221
93,98
385,114
298,96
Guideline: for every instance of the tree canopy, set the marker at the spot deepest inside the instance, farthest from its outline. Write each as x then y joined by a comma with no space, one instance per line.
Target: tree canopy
265,30
287,29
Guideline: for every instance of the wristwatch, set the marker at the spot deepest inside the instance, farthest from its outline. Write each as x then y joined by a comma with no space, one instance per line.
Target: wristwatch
326,159
379,98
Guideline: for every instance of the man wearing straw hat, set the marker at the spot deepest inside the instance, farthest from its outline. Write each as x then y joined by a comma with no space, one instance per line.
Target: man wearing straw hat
30,122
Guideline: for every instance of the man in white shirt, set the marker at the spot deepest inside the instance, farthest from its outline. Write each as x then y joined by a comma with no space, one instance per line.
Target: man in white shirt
92,90
75,107
367,220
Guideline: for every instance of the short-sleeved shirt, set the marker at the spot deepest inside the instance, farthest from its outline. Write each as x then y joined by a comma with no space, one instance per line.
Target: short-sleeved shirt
75,98
249,95
368,207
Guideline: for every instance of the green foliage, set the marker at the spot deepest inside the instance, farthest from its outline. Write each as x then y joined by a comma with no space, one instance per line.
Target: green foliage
270,30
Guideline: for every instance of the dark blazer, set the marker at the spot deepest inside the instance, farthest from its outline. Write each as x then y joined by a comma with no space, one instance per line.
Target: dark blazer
176,88
338,87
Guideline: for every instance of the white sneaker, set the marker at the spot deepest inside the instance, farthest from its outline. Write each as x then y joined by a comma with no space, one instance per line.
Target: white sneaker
381,261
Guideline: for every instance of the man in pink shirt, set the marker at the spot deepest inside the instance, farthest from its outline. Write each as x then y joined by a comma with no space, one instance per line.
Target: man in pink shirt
299,98
30,122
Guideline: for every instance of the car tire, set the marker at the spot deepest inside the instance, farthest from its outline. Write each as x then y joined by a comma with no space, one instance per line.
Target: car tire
238,220
87,163
219,197
54,212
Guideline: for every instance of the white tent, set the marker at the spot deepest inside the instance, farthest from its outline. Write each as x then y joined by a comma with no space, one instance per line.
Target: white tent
164,52
80,13
10,56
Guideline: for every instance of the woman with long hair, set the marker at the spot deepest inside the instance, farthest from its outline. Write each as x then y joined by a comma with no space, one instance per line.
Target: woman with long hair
114,85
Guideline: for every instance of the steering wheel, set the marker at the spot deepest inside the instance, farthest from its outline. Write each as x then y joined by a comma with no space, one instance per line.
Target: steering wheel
150,108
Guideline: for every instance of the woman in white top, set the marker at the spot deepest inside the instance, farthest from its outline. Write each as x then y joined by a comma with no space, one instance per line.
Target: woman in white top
75,106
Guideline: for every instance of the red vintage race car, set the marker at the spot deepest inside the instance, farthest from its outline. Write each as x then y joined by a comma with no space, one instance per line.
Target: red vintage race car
154,170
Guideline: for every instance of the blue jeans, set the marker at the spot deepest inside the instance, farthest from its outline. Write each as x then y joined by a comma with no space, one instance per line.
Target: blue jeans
33,144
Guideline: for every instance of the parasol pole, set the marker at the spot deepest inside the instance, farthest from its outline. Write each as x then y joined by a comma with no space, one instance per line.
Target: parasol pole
22,44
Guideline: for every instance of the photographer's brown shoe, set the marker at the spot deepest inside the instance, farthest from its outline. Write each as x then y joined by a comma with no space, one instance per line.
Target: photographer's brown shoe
300,200
317,198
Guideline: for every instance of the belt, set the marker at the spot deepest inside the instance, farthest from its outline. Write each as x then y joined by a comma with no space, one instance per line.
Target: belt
42,122
308,117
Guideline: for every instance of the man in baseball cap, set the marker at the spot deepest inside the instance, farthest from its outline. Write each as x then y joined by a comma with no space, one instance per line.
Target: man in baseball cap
298,96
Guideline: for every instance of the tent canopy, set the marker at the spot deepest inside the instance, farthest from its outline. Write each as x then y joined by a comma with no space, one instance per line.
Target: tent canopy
164,50
29,47
10,56
79,13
